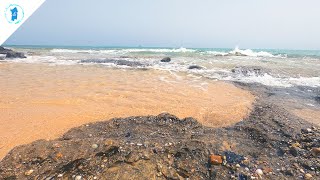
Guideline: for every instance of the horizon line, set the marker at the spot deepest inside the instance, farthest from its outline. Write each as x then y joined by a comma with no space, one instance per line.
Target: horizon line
159,47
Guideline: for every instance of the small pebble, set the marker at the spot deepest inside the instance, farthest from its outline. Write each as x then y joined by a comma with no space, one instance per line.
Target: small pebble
302,171
259,172
110,142
28,173
315,151
215,159
296,145
237,165
78,178
309,130
247,169
94,146
60,175
307,176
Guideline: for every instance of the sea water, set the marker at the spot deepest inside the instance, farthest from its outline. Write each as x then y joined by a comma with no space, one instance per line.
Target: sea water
270,67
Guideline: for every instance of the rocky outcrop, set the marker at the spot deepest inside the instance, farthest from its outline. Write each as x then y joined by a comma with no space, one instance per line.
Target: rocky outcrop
10,54
166,59
269,144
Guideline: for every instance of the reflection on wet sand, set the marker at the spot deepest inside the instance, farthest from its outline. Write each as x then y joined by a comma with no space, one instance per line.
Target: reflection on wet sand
42,102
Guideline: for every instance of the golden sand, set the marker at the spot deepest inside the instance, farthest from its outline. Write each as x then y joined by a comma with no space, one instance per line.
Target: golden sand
39,101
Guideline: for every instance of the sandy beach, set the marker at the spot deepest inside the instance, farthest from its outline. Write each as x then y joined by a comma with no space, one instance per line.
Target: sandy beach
40,101
97,114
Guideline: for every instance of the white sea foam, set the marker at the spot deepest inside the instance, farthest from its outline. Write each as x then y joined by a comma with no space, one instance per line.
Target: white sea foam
249,52
123,51
51,60
270,80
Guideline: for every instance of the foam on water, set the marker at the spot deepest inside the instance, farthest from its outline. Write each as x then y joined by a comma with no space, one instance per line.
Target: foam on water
124,51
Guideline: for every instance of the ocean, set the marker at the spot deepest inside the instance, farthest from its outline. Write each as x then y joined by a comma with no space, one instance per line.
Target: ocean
270,67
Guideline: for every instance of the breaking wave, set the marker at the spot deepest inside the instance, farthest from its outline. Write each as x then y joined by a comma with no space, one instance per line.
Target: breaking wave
126,51
123,51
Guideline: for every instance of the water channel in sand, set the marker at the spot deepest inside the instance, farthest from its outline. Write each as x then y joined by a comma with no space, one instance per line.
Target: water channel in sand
39,101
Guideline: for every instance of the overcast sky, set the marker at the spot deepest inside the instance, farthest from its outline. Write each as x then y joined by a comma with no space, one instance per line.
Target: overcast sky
285,24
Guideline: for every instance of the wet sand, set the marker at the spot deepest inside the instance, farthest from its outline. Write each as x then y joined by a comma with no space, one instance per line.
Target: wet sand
310,115
42,102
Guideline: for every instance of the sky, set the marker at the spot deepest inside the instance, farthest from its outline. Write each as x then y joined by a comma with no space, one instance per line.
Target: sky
275,24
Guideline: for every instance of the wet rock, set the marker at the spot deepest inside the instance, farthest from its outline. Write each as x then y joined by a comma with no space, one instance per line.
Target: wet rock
13,54
195,67
10,54
215,159
166,59
2,56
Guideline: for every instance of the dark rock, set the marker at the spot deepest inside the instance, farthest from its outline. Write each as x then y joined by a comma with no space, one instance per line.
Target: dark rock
166,59
10,53
233,158
2,56
294,151
317,98
15,55
195,67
